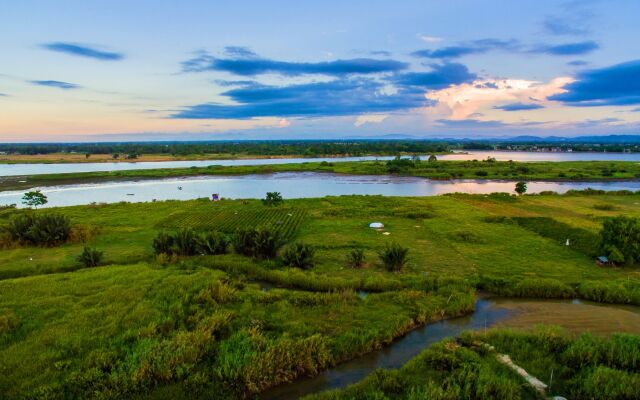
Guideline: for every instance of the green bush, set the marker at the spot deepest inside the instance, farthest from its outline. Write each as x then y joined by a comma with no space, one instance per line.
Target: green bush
41,230
260,242
185,242
355,258
299,255
394,257
90,257
210,243
163,243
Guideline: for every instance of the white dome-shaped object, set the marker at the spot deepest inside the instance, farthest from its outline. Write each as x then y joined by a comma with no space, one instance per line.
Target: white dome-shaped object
376,225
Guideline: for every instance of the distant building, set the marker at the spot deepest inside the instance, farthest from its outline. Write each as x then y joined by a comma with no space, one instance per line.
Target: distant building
215,197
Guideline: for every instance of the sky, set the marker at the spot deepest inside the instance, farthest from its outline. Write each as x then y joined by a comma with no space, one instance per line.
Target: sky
202,70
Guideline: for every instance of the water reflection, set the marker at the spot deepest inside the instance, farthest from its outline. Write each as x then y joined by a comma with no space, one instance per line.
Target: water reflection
291,185
60,168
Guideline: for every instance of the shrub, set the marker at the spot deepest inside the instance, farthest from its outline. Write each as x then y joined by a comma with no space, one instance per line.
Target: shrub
399,164
185,242
604,207
355,258
521,188
260,242
90,257
43,230
394,257
163,243
243,240
266,243
212,243
299,255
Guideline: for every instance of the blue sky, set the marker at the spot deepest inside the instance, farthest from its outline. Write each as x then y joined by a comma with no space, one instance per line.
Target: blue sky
284,69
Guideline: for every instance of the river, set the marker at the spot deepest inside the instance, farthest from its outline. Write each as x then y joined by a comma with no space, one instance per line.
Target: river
61,168
290,184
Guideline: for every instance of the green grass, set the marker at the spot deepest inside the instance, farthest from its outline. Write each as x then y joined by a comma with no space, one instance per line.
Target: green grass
203,325
551,171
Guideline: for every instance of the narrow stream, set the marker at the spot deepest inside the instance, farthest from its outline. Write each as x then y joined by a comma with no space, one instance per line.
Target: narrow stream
489,312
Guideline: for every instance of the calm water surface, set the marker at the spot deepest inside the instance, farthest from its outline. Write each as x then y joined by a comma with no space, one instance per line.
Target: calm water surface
35,169
290,184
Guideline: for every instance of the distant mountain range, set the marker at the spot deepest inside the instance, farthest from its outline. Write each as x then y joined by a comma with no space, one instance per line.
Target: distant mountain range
604,139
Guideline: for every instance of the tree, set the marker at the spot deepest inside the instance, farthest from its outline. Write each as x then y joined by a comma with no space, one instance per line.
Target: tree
87,155
432,158
521,188
620,240
34,198
115,156
272,199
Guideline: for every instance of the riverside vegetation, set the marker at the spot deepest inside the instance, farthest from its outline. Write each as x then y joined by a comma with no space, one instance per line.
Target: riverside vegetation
479,169
170,299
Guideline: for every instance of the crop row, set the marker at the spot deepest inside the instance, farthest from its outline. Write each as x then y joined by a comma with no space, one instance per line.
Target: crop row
286,221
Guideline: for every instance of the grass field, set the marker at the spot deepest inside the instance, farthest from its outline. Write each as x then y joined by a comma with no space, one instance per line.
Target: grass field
578,368
505,170
204,324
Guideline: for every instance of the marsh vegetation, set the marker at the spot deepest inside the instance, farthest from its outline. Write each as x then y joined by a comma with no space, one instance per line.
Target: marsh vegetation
175,310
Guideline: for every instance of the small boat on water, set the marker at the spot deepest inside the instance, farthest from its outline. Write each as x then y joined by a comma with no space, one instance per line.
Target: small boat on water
179,187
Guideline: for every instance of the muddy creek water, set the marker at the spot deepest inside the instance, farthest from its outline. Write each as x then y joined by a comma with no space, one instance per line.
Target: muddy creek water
574,315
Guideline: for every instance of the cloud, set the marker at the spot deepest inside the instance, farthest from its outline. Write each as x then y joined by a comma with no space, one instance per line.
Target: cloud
430,39
577,63
380,53
518,107
614,85
253,65
57,84
239,51
484,46
567,49
4,95
564,25
441,76
81,50
474,47
370,119
470,123
340,97
462,101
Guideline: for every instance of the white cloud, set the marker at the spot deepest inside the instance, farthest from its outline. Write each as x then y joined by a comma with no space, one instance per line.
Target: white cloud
283,123
430,39
370,119
461,101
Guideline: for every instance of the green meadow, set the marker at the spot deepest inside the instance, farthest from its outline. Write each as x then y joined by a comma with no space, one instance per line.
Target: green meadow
145,326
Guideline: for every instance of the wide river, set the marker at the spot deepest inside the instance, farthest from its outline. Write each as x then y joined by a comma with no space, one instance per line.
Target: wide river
61,168
290,184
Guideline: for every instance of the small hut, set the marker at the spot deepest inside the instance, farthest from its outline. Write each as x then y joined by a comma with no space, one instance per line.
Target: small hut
602,261
376,225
